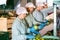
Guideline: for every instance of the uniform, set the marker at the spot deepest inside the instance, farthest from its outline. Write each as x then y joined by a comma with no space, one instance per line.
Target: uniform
38,16
31,21
19,29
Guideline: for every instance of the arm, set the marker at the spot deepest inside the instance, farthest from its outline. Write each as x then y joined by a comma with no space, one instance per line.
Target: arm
35,22
33,30
51,16
46,29
47,10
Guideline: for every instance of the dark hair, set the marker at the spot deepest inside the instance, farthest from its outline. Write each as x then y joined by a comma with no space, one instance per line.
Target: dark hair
29,10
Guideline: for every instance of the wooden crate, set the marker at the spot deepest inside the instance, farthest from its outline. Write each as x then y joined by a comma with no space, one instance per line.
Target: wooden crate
3,24
9,26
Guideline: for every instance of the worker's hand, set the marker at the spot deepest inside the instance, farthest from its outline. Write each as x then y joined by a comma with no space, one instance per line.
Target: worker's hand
46,29
30,36
43,24
45,21
34,30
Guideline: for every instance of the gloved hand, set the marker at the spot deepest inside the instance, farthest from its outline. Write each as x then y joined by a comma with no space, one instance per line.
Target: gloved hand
43,24
30,36
36,32
45,21
33,30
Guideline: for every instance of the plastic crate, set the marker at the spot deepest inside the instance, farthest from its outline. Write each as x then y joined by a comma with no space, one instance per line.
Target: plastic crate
4,35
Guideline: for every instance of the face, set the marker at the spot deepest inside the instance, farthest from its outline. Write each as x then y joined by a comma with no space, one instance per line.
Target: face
45,6
39,8
22,16
31,9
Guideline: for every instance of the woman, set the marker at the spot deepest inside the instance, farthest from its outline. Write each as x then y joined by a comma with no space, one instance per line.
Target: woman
30,19
19,27
38,15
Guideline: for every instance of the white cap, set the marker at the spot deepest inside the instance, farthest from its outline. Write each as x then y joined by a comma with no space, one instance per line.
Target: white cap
44,3
21,10
39,4
30,4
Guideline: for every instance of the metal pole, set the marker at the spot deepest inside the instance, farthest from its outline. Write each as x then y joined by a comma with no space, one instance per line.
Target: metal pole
55,31
46,1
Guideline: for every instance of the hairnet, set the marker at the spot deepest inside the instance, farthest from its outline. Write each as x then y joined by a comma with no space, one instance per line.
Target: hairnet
30,4
21,10
39,4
